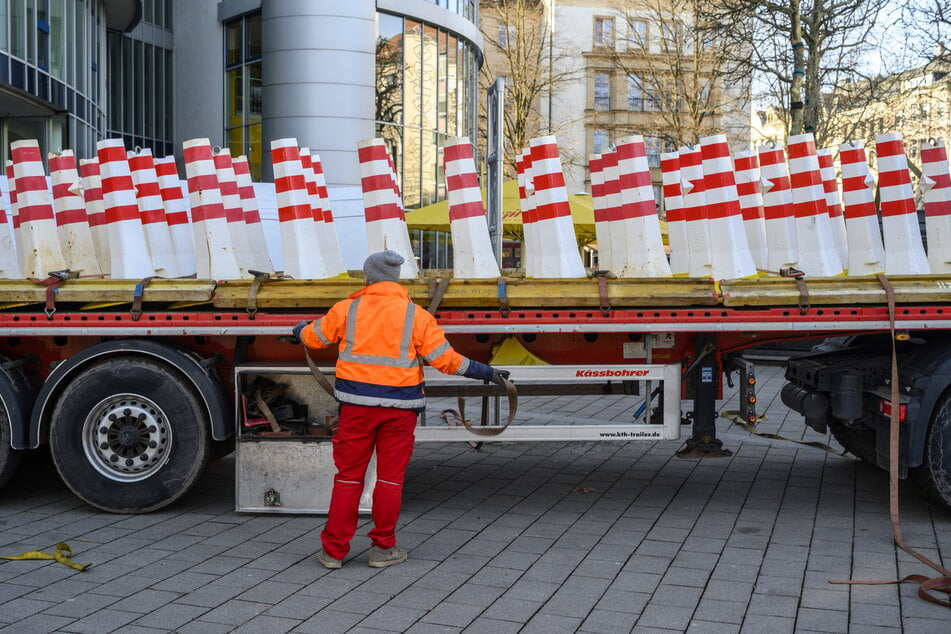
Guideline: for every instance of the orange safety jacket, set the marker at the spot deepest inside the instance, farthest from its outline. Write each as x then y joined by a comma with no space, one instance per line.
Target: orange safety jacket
383,339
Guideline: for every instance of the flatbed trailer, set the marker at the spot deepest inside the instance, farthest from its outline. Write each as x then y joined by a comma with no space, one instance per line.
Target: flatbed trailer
136,385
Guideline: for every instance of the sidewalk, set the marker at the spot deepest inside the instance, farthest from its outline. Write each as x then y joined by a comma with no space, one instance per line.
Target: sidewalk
515,537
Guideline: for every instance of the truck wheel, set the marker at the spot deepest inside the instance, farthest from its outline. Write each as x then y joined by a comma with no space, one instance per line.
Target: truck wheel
9,457
859,441
129,435
934,474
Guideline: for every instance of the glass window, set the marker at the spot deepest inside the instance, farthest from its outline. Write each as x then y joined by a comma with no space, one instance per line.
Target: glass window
637,34
600,141
253,49
57,38
4,20
233,43
506,35
18,28
604,31
148,79
243,89
31,31
389,69
653,145
602,91
635,93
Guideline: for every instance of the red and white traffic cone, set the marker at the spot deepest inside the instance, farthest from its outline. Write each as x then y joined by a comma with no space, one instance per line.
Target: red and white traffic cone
152,212
676,220
530,246
40,245
830,186
904,250
613,208
257,242
214,252
560,256
319,205
638,226
234,210
749,188
817,251
778,210
866,253
383,209
328,237
700,262
176,215
729,249
128,246
936,194
9,260
600,201
14,220
96,211
472,254
74,233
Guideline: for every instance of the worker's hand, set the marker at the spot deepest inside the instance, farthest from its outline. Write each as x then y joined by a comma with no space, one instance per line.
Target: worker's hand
499,376
298,327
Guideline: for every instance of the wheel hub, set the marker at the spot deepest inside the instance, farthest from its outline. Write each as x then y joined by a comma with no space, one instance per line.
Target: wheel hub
127,437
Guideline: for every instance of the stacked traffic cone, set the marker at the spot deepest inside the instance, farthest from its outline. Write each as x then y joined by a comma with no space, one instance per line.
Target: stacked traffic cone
613,206
260,258
9,261
14,217
600,202
749,188
329,240
559,256
472,255
128,246
74,233
176,215
234,210
778,210
526,199
214,253
676,221
904,251
730,251
700,263
866,253
638,226
936,195
817,251
96,211
319,207
830,186
383,208
40,245
152,213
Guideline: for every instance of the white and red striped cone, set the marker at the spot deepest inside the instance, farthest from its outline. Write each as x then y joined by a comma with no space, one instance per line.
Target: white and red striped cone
176,215
320,208
749,188
778,210
526,200
329,240
40,245
830,185
152,212
817,251
9,262
129,254
382,207
299,240
74,233
599,199
904,250
559,255
614,205
641,252
17,253
214,253
729,249
252,215
936,195
472,254
96,211
676,221
234,211
866,252
700,263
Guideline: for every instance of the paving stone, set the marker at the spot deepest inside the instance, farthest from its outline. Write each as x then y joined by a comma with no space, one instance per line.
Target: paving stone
171,616
106,620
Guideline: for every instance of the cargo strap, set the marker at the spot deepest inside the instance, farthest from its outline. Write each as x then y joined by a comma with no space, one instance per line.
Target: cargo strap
925,584
735,417
62,555
503,298
605,304
797,275
266,411
259,279
137,297
321,379
437,288
52,284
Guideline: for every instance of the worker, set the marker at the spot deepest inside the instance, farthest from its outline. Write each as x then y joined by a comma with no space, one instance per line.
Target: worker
382,339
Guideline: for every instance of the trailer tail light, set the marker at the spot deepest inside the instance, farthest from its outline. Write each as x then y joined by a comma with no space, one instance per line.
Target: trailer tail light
885,409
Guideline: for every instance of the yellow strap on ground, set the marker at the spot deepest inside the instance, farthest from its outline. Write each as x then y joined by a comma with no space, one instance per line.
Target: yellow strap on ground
62,554
733,415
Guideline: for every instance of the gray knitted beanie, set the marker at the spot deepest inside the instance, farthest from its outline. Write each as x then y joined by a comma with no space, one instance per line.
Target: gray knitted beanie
383,266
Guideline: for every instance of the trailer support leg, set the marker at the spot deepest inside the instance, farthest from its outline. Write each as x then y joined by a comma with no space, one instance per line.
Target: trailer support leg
704,378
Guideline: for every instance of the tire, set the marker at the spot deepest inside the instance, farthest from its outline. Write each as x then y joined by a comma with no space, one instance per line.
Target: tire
934,474
9,457
859,441
130,435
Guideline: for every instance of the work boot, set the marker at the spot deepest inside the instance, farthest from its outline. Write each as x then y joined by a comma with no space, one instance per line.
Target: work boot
327,561
380,558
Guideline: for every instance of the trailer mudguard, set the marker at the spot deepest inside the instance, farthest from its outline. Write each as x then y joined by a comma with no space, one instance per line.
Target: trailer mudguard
206,383
16,397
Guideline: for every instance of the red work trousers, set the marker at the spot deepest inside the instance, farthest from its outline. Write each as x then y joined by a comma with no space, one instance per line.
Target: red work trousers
360,431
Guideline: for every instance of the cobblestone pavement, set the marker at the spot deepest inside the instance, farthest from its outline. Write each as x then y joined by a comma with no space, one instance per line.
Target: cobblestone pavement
530,537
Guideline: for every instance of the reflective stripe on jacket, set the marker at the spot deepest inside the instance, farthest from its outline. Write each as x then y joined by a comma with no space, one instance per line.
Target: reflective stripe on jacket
382,341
